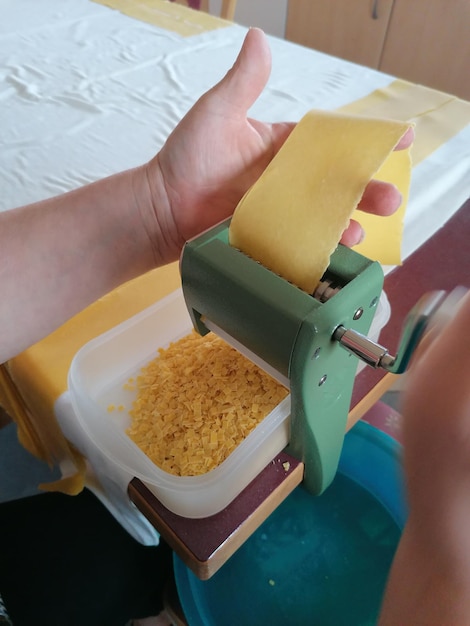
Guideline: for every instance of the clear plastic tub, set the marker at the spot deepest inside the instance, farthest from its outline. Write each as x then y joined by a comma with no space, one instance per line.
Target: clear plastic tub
97,378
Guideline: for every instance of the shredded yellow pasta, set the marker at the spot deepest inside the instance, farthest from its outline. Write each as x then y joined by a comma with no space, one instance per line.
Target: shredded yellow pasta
196,401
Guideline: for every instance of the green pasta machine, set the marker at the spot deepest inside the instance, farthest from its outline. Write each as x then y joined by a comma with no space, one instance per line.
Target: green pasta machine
289,333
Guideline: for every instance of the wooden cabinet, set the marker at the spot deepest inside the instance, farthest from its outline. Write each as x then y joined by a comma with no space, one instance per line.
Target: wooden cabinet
430,45
424,41
350,29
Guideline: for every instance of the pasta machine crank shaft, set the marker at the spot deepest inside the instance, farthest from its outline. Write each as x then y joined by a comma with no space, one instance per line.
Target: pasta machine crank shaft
428,311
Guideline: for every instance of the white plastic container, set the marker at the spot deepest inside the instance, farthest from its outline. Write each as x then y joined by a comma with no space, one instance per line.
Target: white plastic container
97,378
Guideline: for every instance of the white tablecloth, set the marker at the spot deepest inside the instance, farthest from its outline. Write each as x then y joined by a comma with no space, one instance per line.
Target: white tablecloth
86,91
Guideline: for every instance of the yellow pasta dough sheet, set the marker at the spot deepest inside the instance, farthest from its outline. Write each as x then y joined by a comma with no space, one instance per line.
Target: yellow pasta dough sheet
292,218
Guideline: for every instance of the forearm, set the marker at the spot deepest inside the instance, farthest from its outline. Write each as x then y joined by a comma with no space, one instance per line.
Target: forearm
428,584
430,578
59,255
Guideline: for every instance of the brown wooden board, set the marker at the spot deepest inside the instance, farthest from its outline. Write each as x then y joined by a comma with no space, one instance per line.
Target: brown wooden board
206,544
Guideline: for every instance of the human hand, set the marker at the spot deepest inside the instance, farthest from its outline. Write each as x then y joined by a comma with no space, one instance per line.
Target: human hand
430,575
216,153
436,418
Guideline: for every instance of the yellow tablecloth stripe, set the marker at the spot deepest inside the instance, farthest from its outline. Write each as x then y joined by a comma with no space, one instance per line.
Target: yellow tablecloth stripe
44,439
170,16
437,116
38,376
31,382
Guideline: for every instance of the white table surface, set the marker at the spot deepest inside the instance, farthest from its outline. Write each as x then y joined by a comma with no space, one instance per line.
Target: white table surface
86,91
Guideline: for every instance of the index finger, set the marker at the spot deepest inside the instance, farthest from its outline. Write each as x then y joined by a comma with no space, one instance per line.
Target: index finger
406,140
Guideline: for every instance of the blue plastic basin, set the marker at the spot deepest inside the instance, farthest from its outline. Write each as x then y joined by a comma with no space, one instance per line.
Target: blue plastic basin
318,561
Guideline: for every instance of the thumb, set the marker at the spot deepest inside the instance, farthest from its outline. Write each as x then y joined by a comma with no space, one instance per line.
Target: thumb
245,81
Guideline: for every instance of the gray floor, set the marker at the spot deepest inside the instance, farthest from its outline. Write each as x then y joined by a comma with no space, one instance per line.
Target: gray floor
20,471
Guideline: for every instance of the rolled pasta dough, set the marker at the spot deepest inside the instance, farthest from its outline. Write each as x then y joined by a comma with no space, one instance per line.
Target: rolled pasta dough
292,218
